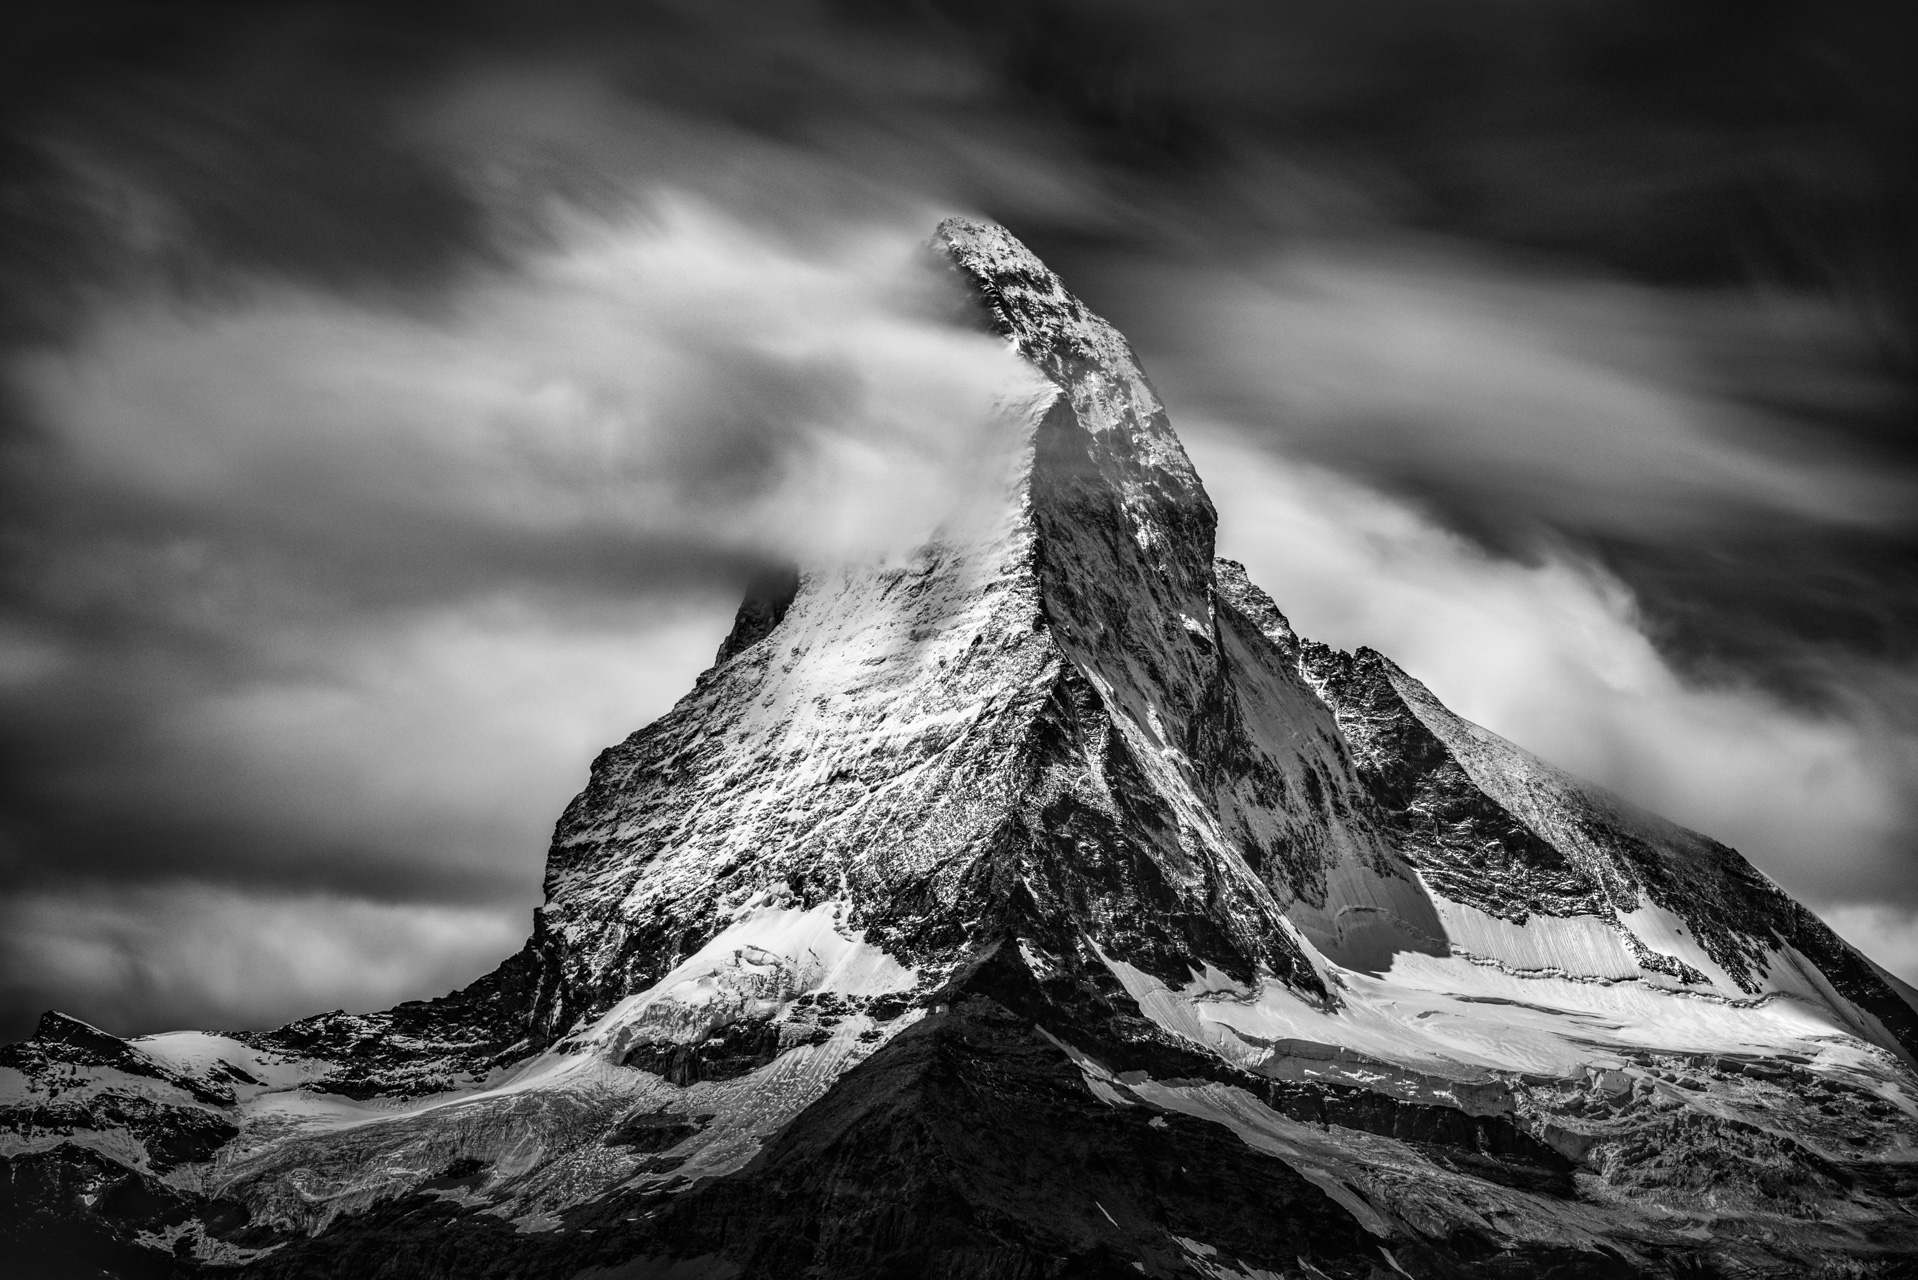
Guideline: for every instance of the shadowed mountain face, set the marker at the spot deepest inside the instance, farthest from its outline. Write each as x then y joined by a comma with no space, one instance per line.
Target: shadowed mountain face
1039,904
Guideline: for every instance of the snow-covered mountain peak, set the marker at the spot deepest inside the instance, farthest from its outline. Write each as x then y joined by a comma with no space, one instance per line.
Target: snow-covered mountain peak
1040,903
1028,302
912,737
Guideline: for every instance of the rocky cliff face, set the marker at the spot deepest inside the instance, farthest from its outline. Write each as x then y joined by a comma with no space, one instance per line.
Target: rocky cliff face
1039,904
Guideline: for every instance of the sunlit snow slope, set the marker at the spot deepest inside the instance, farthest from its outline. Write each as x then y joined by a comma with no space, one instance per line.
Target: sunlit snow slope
1038,903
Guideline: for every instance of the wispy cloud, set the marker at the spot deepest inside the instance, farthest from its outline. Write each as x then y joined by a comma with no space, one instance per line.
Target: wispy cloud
673,381
159,956
1540,398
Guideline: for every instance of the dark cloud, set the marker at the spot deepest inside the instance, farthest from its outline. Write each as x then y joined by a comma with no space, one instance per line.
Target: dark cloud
380,379
188,144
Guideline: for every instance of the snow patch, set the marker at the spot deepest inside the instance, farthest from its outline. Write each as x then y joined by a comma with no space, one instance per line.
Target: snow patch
769,955
1574,946
1434,1018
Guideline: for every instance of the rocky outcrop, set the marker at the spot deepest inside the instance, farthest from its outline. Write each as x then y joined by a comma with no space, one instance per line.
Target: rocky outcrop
1040,904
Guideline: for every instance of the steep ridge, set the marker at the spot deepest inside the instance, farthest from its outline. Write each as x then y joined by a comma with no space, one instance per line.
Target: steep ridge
1039,903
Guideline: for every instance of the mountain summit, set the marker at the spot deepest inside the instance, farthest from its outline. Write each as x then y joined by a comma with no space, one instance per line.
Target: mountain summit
1041,905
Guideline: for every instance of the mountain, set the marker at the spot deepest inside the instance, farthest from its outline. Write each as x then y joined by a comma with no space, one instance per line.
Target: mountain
1039,904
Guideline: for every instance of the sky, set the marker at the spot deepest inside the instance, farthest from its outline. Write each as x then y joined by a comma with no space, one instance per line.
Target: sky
395,399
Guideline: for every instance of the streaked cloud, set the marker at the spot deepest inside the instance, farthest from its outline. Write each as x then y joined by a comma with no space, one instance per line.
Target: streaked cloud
1545,399
162,956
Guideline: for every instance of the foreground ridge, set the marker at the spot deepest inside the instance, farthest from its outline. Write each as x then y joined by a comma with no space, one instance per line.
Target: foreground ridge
1040,904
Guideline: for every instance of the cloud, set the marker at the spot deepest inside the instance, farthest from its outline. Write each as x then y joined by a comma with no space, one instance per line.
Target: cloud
143,958
1888,934
413,756
1535,399
677,380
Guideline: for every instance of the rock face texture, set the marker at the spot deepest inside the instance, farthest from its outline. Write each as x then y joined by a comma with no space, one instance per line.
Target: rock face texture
1040,905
